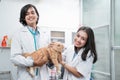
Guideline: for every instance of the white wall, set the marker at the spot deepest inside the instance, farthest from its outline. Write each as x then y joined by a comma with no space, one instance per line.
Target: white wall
53,13
6,64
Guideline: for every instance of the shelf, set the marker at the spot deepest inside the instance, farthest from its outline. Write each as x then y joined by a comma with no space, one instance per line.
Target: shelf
4,47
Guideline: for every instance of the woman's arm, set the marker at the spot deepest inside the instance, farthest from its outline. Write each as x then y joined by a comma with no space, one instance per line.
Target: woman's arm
17,51
71,69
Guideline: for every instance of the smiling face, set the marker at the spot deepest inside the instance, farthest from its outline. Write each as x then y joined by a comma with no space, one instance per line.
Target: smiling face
31,17
80,39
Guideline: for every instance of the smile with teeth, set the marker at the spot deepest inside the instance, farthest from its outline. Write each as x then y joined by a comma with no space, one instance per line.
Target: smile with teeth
30,19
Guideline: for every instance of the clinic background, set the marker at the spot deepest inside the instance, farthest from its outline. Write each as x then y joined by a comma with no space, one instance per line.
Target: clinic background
60,19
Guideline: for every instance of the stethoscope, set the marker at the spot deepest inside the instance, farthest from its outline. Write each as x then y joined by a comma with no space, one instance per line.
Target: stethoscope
34,33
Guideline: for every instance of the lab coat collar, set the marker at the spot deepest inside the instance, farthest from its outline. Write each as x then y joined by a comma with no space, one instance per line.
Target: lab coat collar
24,29
78,55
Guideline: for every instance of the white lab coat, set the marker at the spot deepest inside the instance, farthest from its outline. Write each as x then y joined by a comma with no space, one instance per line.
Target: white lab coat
83,67
23,42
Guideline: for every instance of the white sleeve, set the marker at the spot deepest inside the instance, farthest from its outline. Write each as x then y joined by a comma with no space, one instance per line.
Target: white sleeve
16,53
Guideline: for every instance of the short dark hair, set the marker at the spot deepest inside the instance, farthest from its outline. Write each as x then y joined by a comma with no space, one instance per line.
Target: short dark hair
24,11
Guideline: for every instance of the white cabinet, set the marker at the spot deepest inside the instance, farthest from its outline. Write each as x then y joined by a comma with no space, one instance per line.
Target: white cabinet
58,36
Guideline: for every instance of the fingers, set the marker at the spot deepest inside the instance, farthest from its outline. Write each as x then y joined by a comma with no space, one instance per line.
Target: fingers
51,44
26,54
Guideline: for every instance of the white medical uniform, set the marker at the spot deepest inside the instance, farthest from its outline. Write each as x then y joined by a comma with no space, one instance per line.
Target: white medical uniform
83,67
23,42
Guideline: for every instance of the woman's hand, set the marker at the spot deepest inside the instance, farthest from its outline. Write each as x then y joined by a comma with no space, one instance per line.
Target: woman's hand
26,55
63,63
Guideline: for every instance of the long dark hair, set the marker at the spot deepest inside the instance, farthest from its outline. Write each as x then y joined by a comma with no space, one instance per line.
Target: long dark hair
90,44
24,11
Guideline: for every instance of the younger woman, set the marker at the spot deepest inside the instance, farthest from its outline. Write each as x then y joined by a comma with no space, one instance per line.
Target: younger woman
79,58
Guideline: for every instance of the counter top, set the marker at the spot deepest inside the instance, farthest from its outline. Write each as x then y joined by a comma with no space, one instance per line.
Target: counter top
4,47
